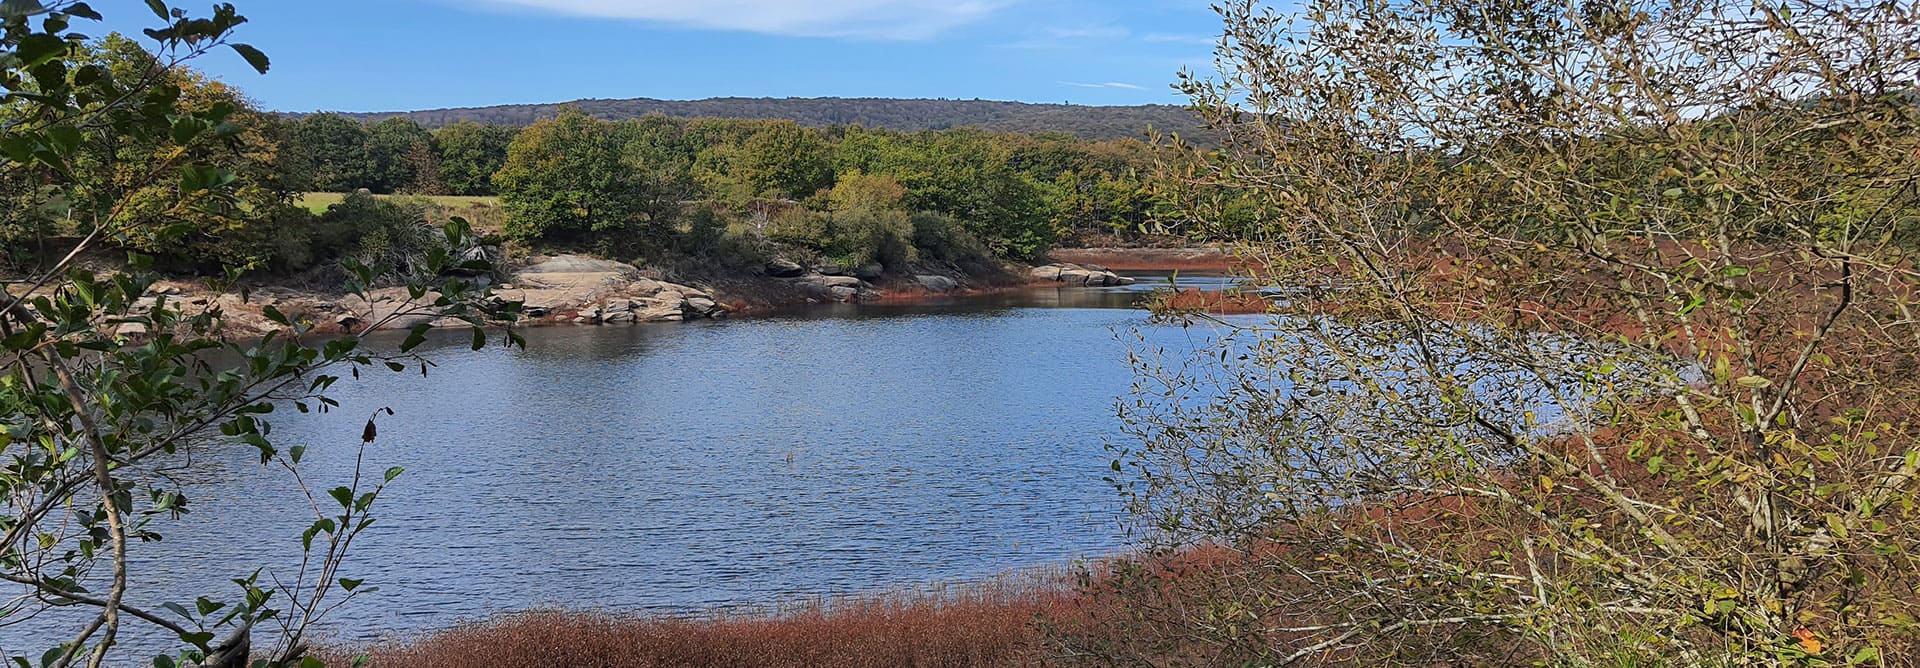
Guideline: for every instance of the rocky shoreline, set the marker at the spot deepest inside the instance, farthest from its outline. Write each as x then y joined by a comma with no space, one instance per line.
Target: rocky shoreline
582,290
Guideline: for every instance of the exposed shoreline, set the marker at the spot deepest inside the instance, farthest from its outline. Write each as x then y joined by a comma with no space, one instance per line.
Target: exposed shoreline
570,289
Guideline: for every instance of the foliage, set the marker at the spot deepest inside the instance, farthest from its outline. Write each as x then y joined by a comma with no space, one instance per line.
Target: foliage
1090,123
1596,349
107,385
469,155
337,153
569,177
402,159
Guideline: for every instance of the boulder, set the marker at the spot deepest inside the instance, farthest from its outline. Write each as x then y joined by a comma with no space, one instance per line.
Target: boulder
1079,275
702,306
843,292
829,269
937,283
841,281
648,286
869,272
782,268
689,291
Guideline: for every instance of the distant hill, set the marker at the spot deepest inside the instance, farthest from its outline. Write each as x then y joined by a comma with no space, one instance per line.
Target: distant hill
1086,122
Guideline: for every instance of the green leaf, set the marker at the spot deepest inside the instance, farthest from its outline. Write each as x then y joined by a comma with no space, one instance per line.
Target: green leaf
39,48
479,338
159,9
350,584
254,57
415,337
342,495
394,473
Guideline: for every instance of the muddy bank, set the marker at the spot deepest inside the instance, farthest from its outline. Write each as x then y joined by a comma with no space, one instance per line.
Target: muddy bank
1150,259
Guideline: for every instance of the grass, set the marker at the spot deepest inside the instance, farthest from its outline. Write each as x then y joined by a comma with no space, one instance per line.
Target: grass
980,624
318,202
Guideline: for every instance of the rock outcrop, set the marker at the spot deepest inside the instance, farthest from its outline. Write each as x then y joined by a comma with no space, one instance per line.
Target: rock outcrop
1089,275
936,283
597,291
829,287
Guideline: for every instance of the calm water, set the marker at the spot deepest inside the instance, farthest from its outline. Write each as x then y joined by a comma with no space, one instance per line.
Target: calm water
675,468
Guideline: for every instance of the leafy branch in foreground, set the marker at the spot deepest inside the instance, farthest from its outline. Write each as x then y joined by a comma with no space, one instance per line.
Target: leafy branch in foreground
1595,346
108,386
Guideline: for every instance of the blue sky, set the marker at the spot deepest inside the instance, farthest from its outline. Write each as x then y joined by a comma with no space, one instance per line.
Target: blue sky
374,55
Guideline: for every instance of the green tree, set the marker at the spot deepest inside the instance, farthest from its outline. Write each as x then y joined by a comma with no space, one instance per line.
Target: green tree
746,160
111,172
470,153
336,149
966,174
574,178
402,158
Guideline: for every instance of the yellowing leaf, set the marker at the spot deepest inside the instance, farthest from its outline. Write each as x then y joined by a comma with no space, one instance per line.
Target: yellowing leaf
1808,641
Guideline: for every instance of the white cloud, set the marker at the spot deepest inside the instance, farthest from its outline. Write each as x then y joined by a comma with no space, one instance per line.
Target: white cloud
1109,84
1056,37
1165,38
874,19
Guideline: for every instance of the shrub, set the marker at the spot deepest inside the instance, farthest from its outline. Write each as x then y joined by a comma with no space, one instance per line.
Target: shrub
940,239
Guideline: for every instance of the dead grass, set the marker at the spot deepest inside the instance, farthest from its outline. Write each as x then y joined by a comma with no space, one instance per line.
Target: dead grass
993,623
318,202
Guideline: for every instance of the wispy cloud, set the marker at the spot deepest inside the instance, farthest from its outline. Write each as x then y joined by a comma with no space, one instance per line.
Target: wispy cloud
1109,84
1166,38
1059,37
872,19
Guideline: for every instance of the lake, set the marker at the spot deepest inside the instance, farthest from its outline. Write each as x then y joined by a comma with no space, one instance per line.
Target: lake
679,468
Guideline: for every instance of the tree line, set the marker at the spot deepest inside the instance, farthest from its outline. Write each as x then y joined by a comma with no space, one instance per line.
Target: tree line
734,191
907,115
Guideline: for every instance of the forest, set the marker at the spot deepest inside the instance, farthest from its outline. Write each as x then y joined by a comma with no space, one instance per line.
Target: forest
907,115
723,193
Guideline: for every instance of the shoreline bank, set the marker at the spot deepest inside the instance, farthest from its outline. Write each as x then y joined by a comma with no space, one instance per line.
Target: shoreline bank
581,290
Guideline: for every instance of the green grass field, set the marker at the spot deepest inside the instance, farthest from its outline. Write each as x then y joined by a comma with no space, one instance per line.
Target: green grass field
318,202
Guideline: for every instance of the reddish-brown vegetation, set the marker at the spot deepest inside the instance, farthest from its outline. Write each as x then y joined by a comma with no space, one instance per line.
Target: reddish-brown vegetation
992,624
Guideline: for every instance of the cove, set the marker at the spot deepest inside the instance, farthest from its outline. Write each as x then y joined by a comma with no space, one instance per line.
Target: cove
679,468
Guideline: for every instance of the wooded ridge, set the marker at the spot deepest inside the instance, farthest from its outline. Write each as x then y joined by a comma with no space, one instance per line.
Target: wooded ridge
1082,121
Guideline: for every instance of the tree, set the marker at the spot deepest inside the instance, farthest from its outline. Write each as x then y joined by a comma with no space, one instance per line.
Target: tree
470,153
571,178
402,158
336,149
965,174
1595,344
104,384
746,160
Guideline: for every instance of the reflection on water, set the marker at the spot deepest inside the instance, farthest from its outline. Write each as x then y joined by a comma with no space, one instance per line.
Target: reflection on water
681,467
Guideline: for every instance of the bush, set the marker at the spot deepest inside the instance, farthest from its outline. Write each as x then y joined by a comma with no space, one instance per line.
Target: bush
940,239
865,236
